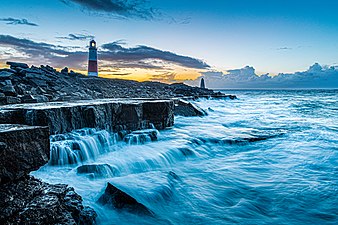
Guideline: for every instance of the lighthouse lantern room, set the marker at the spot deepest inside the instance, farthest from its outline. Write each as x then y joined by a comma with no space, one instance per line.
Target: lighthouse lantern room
92,60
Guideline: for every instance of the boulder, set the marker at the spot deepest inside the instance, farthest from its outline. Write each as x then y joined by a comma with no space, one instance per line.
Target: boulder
185,108
9,90
64,70
12,100
17,64
5,74
97,170
30,201
40,98
28,99
118,199
25,149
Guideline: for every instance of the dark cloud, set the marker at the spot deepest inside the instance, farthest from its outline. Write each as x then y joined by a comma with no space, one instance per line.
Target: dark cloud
122,8
116,52
43,53
316,76
110,55
13,21
77,37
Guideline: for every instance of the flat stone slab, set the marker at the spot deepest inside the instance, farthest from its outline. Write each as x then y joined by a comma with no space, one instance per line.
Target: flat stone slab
111,114
22,149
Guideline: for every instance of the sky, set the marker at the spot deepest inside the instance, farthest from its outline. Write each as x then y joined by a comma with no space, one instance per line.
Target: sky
174,40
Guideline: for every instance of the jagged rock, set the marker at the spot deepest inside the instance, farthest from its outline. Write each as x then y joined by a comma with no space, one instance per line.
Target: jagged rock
97,170
40,98
28,99
17,64
5,74
9,90
118,199
64,70
8,70
30,201
27,149
185,108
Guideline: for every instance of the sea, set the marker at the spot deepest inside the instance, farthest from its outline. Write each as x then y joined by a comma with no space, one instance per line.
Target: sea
267,157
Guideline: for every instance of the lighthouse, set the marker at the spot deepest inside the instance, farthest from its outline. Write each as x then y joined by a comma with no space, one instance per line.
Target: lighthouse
92,60
202,85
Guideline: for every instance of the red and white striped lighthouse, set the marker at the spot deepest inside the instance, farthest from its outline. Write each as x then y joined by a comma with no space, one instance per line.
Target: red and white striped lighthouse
92,60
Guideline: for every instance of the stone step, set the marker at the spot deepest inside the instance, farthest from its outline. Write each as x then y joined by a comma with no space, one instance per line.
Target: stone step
111,114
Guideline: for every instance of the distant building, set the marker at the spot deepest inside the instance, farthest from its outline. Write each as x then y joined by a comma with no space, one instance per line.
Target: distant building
202,83
92,59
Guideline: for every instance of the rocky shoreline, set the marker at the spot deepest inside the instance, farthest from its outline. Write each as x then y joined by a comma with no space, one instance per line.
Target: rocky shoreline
23,84
36,102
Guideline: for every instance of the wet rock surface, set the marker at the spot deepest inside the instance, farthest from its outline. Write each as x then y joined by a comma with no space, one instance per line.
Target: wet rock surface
185,108
24,199
97,170
110,114
118,199
22,149
141,136
30,201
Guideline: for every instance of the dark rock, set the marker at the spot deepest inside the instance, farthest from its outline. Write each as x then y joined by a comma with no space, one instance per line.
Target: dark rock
97,170
30,201
40,98
12,100
5,74
17,64
9,90
28,99
118,199
8,70
114,115
185,108
64,70
27,149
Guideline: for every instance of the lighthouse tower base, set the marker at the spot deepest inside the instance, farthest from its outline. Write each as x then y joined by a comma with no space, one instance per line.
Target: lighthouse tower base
93,74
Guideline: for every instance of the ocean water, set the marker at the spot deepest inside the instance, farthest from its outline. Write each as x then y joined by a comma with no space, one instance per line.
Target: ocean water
269,157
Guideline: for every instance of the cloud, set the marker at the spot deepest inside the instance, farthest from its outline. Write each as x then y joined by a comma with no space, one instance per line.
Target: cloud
111,55
316,76
13,21
143,55
120,8
78,37
43,53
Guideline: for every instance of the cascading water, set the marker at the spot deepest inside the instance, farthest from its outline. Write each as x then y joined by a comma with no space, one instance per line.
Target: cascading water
80,145
269,157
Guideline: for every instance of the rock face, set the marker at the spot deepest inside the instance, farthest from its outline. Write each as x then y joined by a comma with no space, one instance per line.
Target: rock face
23,149
118,199
111,114
30,201
24,199
185,108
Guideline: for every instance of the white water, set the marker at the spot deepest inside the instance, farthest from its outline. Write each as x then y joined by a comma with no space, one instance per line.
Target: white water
269,157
